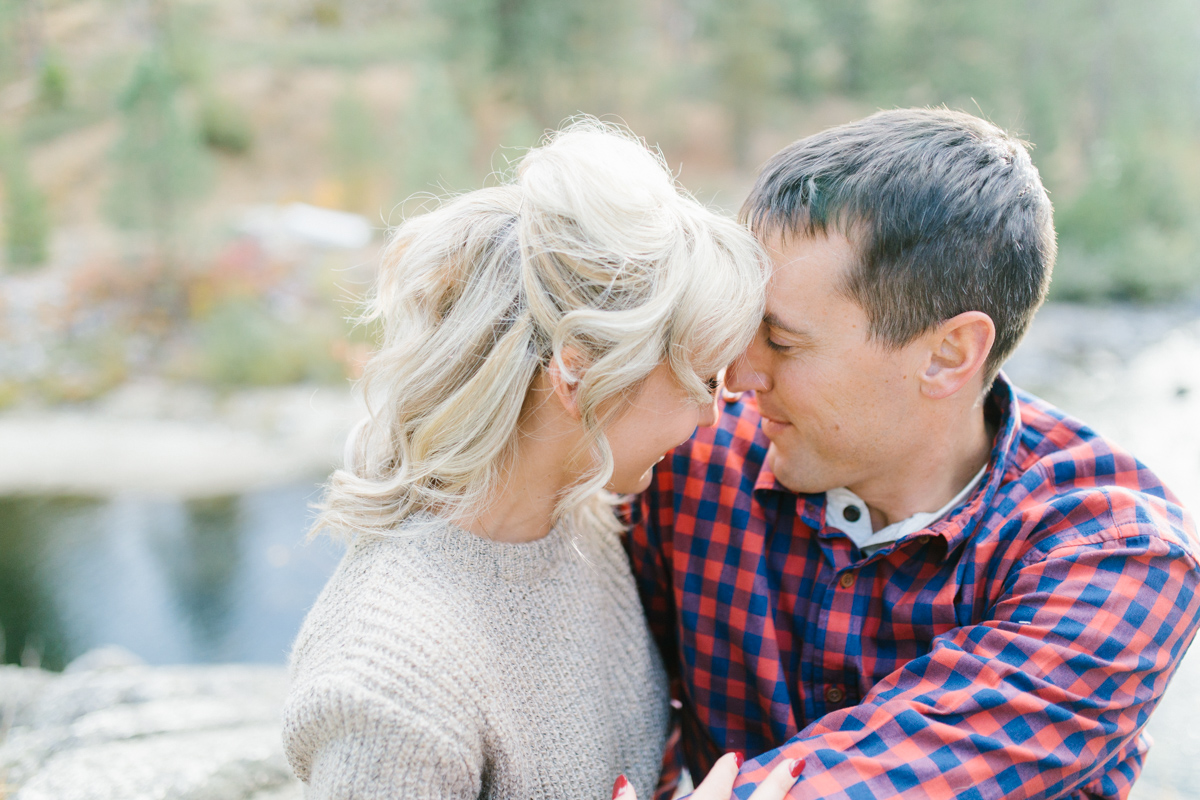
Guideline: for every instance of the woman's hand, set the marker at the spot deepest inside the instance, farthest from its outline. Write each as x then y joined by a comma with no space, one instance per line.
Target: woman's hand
718,785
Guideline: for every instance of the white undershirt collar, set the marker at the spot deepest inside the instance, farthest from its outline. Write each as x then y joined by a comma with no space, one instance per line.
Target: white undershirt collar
845,511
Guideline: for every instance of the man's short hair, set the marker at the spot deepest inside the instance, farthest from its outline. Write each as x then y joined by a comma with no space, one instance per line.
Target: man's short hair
946,210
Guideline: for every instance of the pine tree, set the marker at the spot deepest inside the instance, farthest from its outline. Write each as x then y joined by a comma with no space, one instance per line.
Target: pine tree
26,221
161,167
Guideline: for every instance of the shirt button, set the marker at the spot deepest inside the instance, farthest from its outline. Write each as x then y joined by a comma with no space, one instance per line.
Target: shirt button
852,513
922,539
834,695
847,580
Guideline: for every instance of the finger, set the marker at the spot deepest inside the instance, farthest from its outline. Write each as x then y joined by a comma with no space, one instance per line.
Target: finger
718,784
623,789
781,779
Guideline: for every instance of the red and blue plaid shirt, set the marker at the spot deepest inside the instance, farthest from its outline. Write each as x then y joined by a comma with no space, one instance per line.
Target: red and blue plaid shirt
1015,648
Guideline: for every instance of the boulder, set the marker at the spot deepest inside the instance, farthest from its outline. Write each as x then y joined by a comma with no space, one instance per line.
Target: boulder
110,727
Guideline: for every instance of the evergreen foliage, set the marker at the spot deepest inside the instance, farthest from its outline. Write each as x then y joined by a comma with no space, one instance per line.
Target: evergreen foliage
551,56
436,137
26,220
356,148
225,126
10,38
1106,91
161,168
53,82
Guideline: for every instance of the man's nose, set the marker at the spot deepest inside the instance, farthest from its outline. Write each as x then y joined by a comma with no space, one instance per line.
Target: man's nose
747,372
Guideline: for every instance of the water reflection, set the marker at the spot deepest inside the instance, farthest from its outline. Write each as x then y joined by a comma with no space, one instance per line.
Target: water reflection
32,631
222,579
203,563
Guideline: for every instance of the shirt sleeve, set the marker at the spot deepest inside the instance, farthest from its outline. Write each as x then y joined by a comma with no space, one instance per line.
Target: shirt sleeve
348,743
1045,697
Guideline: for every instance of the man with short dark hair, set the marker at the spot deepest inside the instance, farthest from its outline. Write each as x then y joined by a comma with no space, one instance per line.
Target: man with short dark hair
884,557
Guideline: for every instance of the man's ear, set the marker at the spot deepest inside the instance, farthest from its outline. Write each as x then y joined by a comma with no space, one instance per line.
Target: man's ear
564,372
958,351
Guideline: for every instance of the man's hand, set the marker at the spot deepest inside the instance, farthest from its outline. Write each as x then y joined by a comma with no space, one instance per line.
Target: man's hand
718,785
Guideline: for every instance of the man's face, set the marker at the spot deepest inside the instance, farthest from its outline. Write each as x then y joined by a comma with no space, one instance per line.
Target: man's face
840,408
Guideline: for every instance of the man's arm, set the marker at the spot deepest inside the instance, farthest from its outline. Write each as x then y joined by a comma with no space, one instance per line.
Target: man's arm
1041,699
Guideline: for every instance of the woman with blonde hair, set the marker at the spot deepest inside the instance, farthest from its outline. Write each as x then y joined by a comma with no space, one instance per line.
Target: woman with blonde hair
544,343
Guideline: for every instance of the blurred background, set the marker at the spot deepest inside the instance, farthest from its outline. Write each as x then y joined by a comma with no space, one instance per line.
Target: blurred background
195,192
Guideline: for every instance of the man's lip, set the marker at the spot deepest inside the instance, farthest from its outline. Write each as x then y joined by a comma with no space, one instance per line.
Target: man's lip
771,425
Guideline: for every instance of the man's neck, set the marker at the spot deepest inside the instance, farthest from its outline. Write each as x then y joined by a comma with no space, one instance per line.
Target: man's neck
928,479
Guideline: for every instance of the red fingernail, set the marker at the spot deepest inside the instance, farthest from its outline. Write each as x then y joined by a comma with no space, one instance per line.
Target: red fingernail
740,756
619,786
798,767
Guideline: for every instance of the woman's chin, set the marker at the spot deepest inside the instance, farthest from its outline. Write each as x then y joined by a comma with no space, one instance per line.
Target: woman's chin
631,486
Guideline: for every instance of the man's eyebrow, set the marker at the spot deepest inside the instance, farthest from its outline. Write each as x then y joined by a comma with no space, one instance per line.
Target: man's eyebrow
775,322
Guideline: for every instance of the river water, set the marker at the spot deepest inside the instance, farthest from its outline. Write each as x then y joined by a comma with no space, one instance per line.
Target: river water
175,581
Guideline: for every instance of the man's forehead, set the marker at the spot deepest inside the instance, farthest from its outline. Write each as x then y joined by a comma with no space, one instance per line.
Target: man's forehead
806,271
830,251
807,292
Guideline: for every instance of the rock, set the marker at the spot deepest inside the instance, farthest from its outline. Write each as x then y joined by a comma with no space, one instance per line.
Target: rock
19,688
208,765
108,657
111,728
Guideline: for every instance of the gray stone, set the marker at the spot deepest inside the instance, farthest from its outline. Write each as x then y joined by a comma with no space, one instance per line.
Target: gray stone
19,688
111,727
110,656
209,765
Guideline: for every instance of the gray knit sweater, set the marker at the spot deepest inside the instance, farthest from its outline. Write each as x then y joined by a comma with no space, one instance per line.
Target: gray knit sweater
438,664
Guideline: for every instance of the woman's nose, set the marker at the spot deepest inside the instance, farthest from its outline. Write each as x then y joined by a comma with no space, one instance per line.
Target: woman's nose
709,413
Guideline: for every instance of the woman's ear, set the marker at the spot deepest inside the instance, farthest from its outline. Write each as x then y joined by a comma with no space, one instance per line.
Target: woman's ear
564,373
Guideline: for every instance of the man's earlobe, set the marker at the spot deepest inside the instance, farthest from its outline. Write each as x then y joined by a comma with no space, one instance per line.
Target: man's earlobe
958,353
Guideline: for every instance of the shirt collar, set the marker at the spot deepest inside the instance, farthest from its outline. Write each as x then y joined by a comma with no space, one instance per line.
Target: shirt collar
845,511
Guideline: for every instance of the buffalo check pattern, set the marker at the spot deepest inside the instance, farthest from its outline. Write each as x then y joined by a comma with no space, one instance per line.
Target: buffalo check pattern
1015,648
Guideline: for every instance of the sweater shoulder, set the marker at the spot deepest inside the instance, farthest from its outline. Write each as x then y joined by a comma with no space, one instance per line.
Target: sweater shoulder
338,733
387,619
383,655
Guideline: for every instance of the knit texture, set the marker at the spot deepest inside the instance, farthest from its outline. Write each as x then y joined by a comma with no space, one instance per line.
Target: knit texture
438,664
